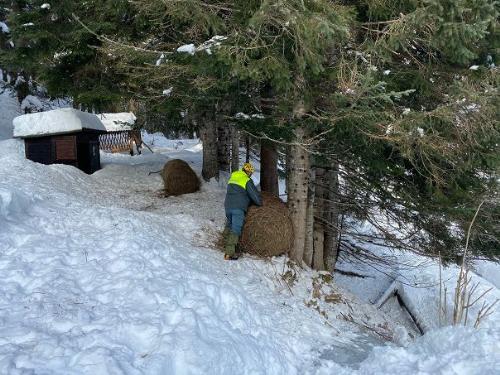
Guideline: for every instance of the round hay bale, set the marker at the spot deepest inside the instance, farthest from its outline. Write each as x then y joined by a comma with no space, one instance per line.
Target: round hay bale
269,199
268,230
179,178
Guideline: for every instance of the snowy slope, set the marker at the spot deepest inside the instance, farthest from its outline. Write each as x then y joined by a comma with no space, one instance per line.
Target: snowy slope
95,281
416,279
489,271
443,349
103,275
103,289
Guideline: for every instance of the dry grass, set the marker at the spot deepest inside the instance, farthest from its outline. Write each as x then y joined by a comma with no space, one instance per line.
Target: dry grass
179,178
268,230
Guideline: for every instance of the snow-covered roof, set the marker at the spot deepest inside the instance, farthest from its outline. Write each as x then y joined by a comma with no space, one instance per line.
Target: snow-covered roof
57,121
117,121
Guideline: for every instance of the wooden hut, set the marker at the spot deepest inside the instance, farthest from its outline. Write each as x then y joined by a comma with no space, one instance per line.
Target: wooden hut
61,136
120,133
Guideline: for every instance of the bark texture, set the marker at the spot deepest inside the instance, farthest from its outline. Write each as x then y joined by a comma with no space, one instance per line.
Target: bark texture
321,188
309,242
235,149
208,136
247,148
297,194
331,217
223,146
269,167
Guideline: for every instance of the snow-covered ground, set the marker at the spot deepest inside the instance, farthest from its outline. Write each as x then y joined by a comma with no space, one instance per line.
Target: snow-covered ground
443,349
101,274
489,271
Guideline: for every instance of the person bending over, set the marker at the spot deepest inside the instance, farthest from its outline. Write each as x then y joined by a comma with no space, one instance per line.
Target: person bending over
241,192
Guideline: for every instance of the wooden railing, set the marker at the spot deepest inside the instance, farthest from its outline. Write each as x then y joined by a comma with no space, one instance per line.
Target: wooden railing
120,141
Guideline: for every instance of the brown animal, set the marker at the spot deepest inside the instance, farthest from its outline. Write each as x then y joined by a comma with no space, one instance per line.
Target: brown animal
179,178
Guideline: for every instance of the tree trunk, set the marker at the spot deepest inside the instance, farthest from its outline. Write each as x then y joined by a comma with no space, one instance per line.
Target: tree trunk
319,247
247,147
269,167
321,189
223,146
235,149
288,163
208,136
309,242
331,217
297,194
22,87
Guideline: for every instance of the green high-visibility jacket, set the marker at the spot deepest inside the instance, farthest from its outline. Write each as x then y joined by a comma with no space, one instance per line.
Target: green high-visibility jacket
241,191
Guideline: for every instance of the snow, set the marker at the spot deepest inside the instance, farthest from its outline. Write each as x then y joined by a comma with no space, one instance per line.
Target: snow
417,281
117,121
244,116
206,46
168,92
461,351
4,28
57,121
19,80
187,48
444,348
59,55
160,59
101,274
33,103
241,116
488,270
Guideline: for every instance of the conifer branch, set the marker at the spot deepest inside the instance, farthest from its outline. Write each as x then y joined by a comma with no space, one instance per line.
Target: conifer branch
104,38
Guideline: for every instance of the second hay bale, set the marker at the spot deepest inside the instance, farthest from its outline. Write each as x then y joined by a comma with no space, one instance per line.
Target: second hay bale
268,230
179,178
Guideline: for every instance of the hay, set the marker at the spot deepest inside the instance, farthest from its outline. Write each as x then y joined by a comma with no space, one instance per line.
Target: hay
269,199
179,178
268,230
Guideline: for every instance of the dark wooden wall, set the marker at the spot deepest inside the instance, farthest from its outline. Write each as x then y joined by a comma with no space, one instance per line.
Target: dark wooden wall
79,149
39,149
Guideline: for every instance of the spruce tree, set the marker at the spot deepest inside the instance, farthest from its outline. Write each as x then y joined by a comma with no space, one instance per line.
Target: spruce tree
396,102
51,47
380,91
